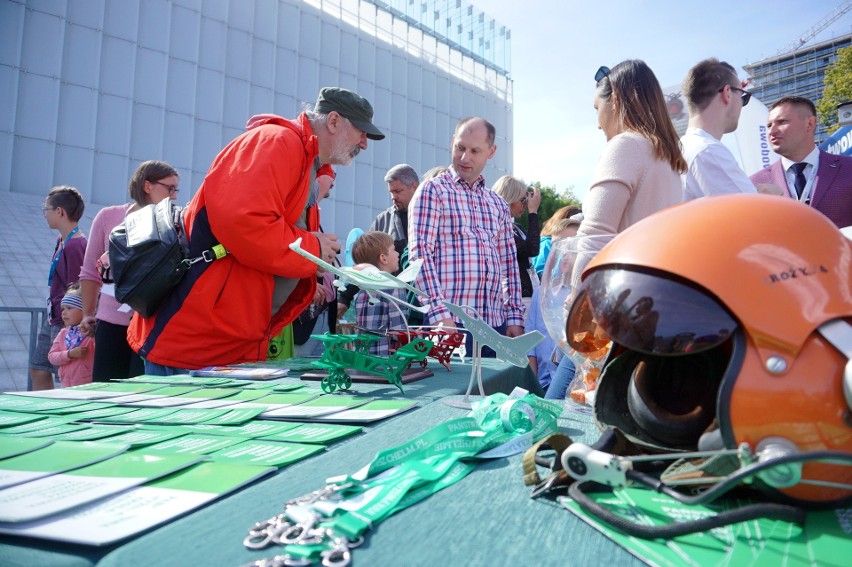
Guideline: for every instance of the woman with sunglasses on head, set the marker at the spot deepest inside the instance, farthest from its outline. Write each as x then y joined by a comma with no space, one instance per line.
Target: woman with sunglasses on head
521,198
639,172
104,318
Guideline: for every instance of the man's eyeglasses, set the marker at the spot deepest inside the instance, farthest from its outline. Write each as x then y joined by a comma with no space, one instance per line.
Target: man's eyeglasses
746,96
602,72
173,189
46,208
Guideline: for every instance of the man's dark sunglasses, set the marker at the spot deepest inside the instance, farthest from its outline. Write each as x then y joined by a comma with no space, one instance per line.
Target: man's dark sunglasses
746,96
601,73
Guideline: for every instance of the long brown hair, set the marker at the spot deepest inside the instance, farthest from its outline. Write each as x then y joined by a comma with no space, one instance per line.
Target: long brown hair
550,227
641,108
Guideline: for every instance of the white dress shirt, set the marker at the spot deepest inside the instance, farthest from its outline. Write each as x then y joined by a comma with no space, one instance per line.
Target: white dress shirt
712,169
812,159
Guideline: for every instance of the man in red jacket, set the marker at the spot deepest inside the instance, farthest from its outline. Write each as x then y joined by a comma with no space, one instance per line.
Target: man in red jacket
253,202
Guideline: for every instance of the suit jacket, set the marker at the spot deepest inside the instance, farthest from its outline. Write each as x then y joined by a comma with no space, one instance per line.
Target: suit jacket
832,191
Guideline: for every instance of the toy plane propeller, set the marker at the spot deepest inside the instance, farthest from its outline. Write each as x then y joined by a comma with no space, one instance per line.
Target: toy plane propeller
510,349
371,279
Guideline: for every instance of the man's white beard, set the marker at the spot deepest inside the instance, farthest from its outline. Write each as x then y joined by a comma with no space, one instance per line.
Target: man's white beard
342,153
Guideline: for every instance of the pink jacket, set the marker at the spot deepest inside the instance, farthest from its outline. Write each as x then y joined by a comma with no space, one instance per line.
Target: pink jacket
106,219
72,371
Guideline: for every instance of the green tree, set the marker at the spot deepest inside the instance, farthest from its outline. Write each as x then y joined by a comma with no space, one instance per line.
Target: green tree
837,89
551,200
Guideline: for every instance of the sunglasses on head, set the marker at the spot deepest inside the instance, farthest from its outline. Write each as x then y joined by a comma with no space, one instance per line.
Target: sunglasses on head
602,72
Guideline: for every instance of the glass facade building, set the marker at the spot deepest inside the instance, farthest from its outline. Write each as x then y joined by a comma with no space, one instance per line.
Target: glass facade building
798,73
91,88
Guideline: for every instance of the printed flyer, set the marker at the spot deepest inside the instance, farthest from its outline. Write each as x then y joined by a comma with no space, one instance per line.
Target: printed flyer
138,509
55,458
60,492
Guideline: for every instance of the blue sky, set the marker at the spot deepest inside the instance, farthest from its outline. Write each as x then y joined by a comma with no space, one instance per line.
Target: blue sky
557,45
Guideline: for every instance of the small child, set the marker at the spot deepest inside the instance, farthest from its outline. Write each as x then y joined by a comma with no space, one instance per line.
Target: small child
377,313
73,352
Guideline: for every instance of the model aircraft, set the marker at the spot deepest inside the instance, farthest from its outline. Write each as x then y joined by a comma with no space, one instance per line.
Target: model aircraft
352,351
370,279
510,349
445,341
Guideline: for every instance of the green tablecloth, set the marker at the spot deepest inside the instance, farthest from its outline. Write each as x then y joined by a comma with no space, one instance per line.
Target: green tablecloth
486,519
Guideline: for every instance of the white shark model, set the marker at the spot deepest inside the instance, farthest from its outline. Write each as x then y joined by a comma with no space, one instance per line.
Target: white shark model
370,279
510,349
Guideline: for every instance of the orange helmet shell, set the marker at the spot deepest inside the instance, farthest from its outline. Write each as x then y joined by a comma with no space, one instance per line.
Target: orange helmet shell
782,269
806,406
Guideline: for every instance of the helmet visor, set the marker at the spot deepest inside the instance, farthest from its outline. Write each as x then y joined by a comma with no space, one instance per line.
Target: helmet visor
646,313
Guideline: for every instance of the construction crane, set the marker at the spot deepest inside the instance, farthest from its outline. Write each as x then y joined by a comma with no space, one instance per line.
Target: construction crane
833,16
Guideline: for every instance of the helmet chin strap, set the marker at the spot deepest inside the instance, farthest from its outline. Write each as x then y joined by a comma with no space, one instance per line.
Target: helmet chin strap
589,467
839,334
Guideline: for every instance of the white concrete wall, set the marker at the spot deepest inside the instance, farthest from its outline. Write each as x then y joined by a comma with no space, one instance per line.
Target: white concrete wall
91,88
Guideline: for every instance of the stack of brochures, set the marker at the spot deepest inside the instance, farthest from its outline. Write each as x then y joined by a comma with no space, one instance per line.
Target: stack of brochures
98,463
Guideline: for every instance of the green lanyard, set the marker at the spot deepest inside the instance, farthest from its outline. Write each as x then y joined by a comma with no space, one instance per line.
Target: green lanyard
323,528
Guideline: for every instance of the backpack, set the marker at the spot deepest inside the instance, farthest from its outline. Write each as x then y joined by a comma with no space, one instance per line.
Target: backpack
149,255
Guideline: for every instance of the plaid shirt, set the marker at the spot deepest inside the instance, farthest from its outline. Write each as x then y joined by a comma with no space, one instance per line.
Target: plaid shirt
464,235
382,315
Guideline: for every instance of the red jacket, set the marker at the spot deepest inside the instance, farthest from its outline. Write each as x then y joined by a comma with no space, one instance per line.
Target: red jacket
250,202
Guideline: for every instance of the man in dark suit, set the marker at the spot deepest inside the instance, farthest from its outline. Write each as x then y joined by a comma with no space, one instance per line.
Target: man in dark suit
806,173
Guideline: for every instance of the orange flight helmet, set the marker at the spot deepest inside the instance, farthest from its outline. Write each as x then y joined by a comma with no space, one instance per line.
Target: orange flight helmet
731,322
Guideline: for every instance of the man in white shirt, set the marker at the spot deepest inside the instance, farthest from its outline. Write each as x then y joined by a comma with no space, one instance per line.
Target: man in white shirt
715,99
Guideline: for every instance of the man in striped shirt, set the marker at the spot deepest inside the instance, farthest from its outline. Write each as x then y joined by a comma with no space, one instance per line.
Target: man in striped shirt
463,232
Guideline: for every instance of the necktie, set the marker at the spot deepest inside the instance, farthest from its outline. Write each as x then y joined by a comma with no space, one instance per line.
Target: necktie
799,181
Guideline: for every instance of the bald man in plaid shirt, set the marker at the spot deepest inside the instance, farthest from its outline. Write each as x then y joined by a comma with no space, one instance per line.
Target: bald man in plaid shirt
463,232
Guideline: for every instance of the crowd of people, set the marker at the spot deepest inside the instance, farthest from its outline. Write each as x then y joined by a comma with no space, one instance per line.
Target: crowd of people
262,193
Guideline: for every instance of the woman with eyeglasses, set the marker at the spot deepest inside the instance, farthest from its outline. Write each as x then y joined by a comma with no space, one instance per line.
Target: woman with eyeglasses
103,316
521,198
639,170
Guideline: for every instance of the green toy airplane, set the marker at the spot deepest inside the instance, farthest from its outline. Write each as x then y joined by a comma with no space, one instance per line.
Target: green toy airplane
338,356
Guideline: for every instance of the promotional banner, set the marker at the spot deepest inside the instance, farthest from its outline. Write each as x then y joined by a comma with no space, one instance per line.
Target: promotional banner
839,143
749,143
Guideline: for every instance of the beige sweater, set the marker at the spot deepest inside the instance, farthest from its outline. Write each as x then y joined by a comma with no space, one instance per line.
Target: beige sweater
630,184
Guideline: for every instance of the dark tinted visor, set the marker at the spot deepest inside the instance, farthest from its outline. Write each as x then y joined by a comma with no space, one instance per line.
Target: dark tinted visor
646,313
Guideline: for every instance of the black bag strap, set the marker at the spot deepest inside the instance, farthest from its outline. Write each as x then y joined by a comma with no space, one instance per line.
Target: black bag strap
215,252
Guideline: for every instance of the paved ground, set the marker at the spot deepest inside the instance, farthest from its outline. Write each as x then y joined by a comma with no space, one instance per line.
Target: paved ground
26,244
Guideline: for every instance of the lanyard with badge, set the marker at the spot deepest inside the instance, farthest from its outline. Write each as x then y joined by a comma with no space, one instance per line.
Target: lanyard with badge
807,189
323,526
57,254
